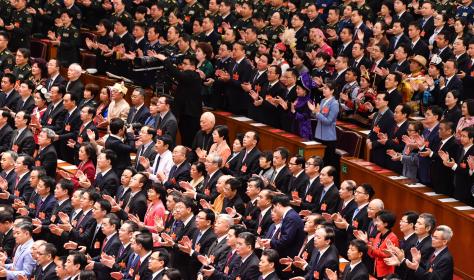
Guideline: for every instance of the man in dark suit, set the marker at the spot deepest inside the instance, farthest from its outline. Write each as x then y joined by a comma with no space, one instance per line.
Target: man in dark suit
443,50
359,57
313,167
87,115
184,225
201,241
236,99
426,23
119,263
142,247
107,180
165,121
187,108
424,226
459,164
138,112
281,174
400,63
208,190
339,75
219,249
54,77
180,170
264,203
157,264
443,176
418,45
400,116
379,62
383,123
252,212
325,255
232,198
346,45
291,231
299,179
21,188
74,84
22,140
268,264
45,201
137,202
54,115
47,156
431,135
451,81
7,242
247,160
147,147
399,37
392,81
441,265
11,96
26,101
46,268
5,131
356,269
407,227
110,244
268,107
248,269
72,124
258,82
327,198
8,160
122,142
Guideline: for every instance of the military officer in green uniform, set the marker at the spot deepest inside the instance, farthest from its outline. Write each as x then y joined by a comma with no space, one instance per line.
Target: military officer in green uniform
22,70
120,13
191,11
67,40
6,56
275,28
20,27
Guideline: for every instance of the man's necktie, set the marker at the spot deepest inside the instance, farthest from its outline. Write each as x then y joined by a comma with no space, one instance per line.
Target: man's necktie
157,164
356,211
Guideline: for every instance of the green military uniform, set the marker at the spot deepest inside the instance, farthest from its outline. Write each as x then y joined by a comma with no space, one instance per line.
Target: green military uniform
126,16
274,33
190,13
22,72
251,50
69,45
6,60
21,33
282,10
261,8
447,8
168,6
52,10
243,24
5,11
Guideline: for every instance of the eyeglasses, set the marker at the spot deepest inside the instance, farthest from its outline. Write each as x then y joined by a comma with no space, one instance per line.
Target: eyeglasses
358,192
309,163
291,163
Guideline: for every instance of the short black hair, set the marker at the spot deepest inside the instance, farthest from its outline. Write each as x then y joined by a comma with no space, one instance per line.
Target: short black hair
272,256
145,239
248,238
67,185
281,199
386,217
116,124
369,190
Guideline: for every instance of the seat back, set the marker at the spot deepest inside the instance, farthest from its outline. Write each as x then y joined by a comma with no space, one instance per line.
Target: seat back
351,142
38,49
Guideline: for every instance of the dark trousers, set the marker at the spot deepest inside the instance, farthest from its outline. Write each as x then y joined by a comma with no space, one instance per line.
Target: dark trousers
188,127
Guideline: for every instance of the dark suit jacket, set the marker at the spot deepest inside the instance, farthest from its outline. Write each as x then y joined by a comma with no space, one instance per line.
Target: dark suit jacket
43,210
346,51
48,158
424,163
446,54
5,138
329,202
441,268
148,153
180,259
139,116
48,274
123,150
386,124
454,84
76,88
283,179
83,230
207,190
200,247
122,257
82,134
427,28
359,272
26,106
420,48
264,224
341,238
110,248
7,243
245,169
58,81
462,178
404,67
403,40
396,143
309,198
89,103
404,272
12,100
219,251
25,143
54,119
248,269
136,206
178,174
364,61
22,190
291,235
442,176
108,183
297,184
238,101
330,259
72,123
360,222
167,126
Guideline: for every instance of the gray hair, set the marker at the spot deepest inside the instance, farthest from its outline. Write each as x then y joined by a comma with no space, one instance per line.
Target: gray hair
76,67
49,133
429,219
378,203
216,158
226,218
446,231
209,116
12,154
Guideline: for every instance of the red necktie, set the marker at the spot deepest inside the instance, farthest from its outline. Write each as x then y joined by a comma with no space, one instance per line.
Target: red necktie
103,244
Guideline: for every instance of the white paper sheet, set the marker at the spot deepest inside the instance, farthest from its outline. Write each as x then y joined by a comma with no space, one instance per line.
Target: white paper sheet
397,177
449,199
258,124
464,208
366,132
311,143
69,167
432,194
417,185
242,119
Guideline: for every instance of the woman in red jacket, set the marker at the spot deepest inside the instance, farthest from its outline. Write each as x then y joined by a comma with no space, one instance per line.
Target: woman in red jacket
384,222
87,159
